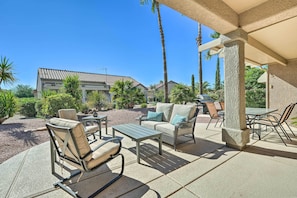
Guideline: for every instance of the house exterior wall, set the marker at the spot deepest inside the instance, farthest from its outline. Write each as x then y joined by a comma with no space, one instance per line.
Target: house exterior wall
282,86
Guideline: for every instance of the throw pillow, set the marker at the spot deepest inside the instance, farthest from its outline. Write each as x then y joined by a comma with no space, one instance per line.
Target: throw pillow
154,116
178,119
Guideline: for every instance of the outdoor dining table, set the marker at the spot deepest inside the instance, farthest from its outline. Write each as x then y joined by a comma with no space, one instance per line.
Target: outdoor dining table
256,113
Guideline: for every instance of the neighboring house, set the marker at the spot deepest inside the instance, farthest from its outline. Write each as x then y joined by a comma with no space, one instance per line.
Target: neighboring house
159,87
52,79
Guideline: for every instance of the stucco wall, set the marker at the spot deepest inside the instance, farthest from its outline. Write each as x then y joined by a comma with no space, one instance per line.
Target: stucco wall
282,85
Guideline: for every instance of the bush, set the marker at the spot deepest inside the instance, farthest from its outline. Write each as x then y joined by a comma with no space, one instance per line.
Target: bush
7,105
143,105
27,107
84,108
39,107
59,101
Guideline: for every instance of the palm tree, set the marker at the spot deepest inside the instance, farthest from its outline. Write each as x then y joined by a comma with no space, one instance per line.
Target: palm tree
6,74
199,42
156,6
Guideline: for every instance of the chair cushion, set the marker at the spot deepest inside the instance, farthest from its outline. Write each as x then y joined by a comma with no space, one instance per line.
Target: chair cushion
154,116
78,134
178,119
91,129
166,108
68,114
103,153
187,111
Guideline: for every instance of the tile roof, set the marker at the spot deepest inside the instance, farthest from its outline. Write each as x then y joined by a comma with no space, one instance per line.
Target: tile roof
58,74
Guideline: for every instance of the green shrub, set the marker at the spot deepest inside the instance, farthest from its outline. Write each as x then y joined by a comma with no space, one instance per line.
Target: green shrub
143,105
84,108
27,107
39,107
7,105
59,101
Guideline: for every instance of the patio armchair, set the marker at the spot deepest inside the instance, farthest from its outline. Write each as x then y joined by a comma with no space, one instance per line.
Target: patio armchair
69,141
214,114
90,126
277,120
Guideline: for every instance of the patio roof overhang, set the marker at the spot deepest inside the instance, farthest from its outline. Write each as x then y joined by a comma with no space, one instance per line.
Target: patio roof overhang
271,26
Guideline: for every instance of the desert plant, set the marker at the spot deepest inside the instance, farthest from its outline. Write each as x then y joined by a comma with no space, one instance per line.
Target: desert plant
181,94
7,105
27,108
59,101
6,72
97,100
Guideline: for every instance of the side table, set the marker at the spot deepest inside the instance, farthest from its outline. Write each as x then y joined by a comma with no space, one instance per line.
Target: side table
99,119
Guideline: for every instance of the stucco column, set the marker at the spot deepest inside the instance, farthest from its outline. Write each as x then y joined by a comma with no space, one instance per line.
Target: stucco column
235,132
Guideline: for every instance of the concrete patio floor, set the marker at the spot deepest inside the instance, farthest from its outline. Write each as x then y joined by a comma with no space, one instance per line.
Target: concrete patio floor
266,168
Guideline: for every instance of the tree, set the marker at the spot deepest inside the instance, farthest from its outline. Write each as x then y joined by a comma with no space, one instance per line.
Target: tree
71,86
216,35
156,6
6,72
181,94
7,105
193,84
218,76
254,91
199,42
24,91
125,95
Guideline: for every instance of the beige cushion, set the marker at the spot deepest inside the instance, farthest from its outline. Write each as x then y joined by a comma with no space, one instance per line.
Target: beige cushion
187,111
166,108
78,135
103,153
91,129
68,114
151,124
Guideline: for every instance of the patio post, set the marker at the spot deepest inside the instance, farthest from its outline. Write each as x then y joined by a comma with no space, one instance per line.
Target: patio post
235,132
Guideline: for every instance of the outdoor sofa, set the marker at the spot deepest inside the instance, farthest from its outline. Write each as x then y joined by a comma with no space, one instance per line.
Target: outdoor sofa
173,120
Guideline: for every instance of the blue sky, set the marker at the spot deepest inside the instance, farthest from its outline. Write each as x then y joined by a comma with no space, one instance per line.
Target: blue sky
119,37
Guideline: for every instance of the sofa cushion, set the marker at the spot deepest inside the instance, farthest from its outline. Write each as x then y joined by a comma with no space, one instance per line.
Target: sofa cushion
187,111
166,109
151,124
154,116
178,119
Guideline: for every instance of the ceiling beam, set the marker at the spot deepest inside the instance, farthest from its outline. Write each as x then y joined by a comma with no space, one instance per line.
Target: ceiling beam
267,14
213,13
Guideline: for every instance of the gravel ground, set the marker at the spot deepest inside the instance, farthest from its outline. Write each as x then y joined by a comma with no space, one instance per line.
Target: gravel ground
18,134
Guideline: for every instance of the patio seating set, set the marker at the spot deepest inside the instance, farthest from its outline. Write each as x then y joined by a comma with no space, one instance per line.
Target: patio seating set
257,117
71,142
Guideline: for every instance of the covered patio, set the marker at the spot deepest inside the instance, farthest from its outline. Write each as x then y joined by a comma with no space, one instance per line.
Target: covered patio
266,168
261,32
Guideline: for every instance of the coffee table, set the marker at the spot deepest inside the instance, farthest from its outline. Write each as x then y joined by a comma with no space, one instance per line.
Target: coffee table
138,133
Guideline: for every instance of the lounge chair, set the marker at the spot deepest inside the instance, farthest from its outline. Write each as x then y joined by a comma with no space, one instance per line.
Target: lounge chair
69,141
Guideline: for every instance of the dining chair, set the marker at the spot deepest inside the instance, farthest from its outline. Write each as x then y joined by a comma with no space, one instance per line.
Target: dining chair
213,113
277,120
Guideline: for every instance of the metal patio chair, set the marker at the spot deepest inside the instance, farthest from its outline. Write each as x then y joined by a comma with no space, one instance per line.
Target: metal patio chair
214,114
69,141
277,120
